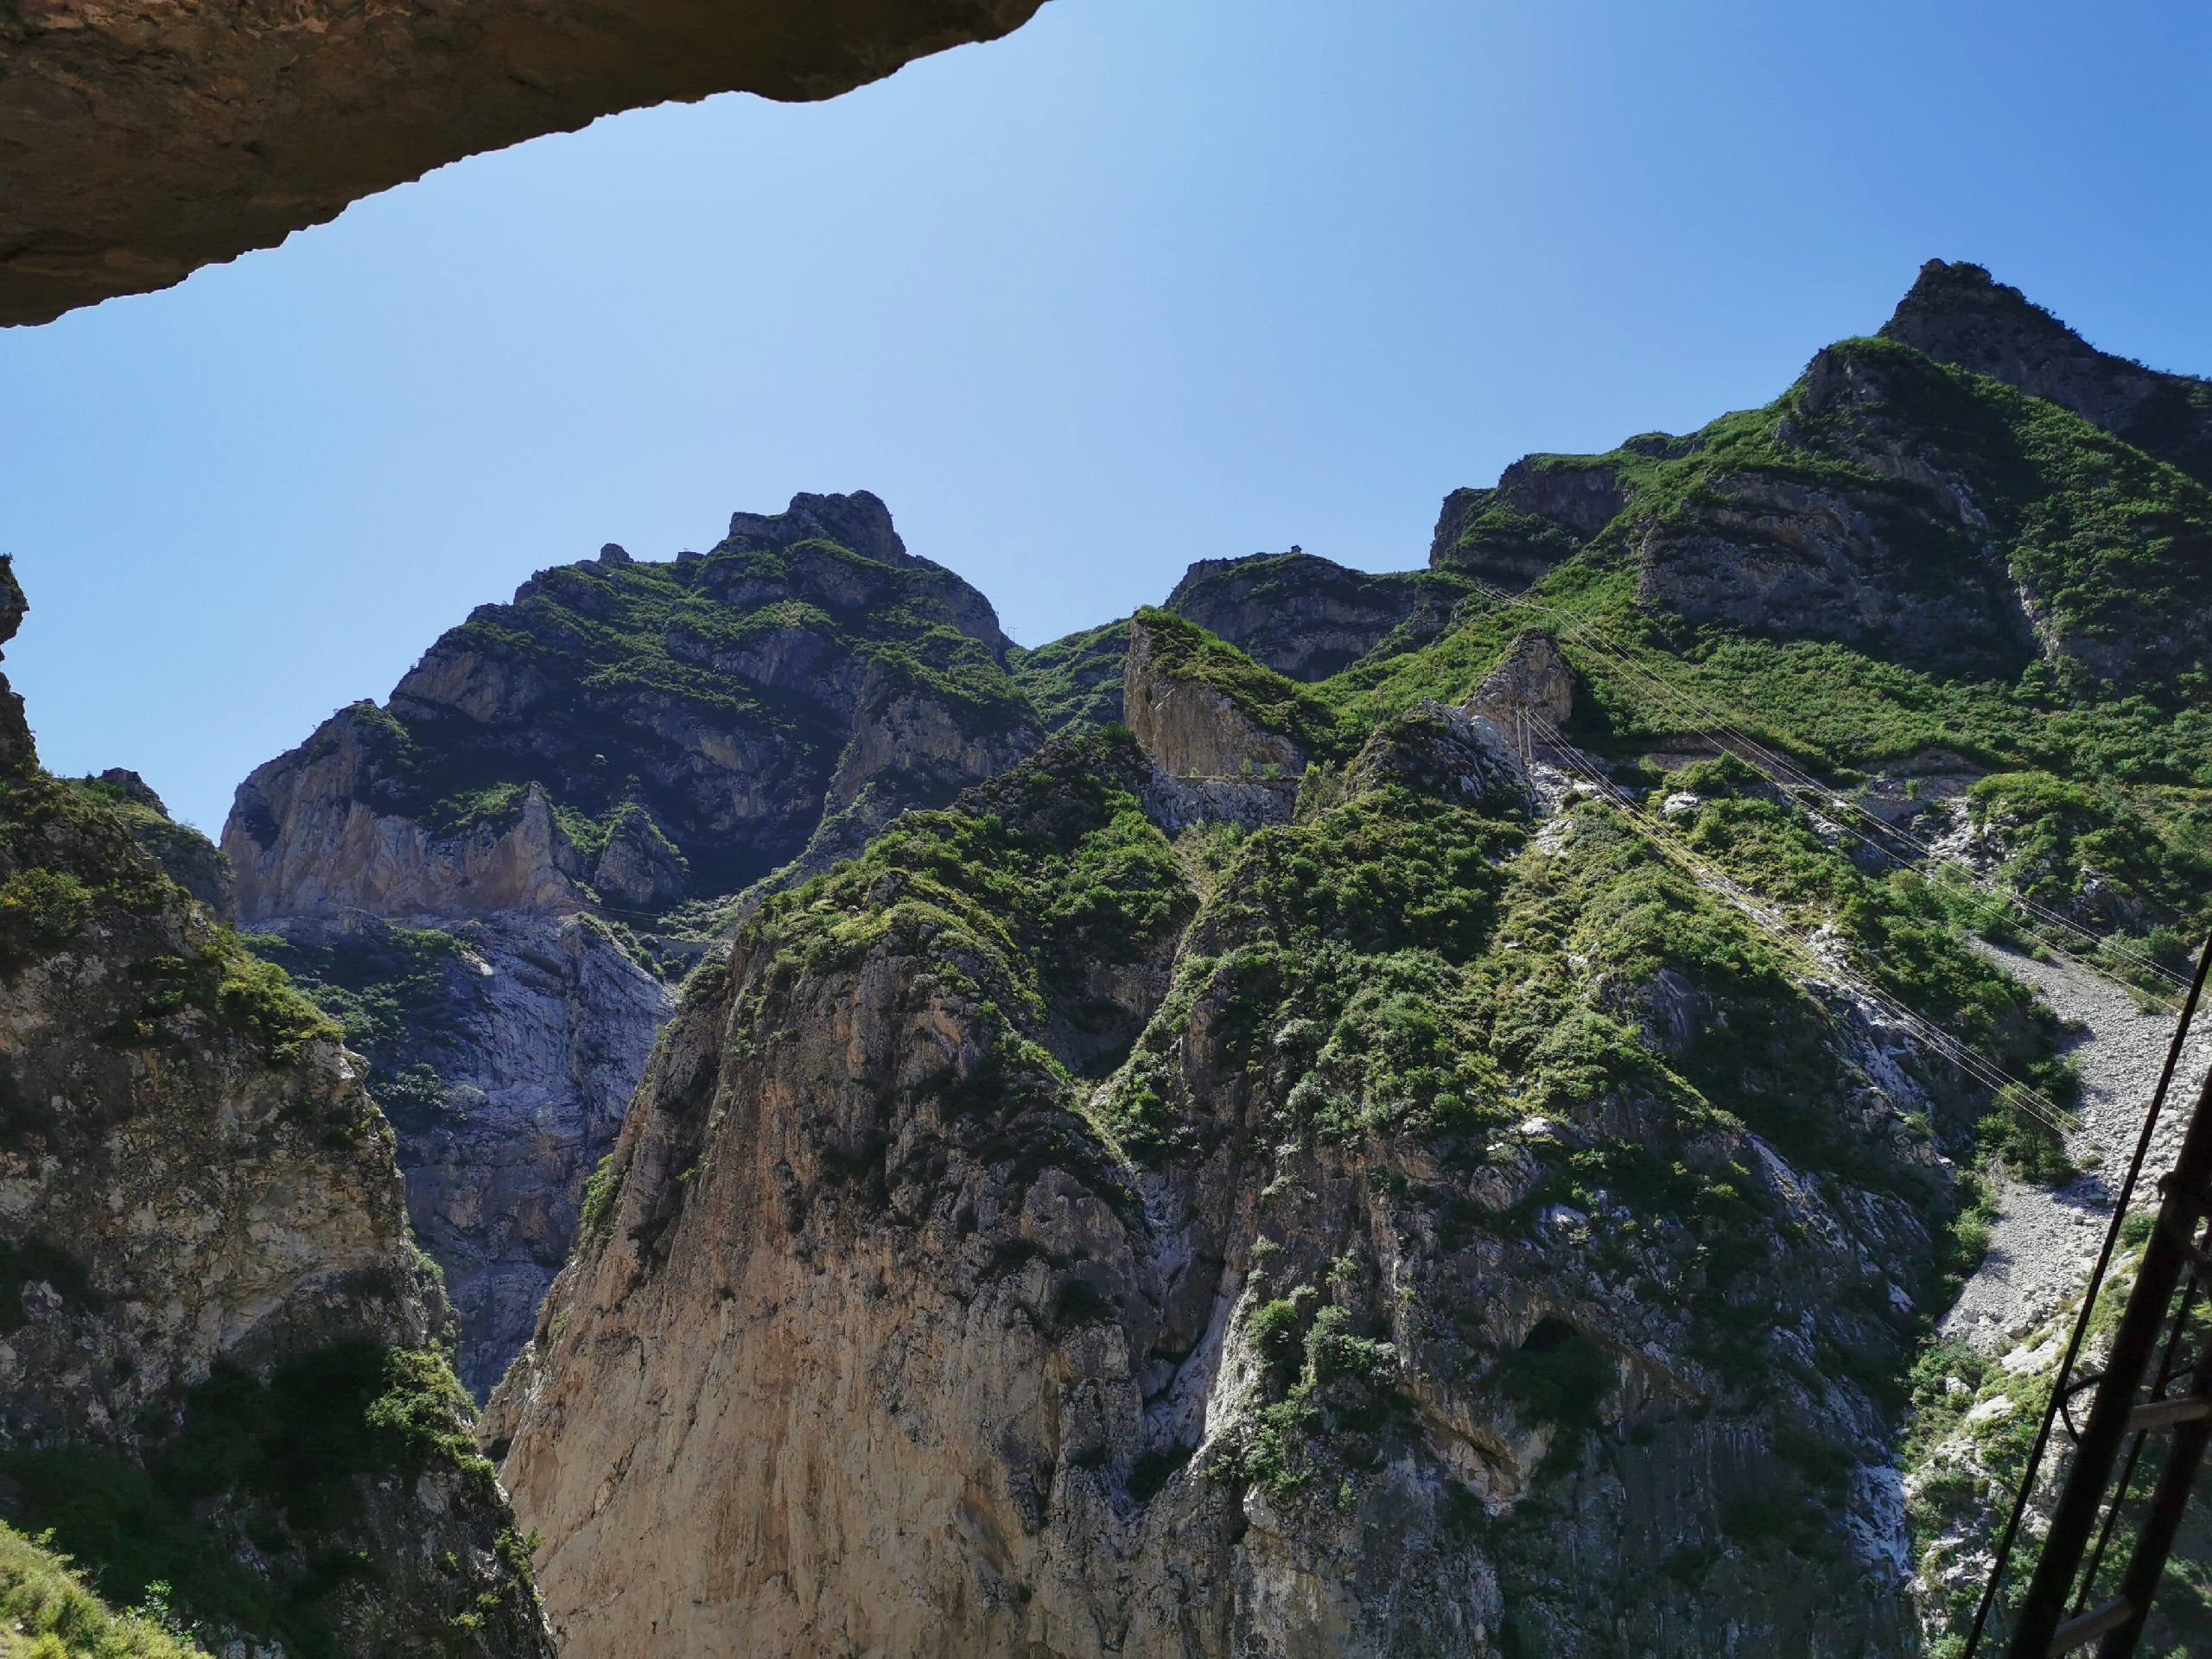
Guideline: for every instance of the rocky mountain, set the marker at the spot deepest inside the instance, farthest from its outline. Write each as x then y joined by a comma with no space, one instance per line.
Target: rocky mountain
1308,617
222,1360
1434,1159
1958,315
463,874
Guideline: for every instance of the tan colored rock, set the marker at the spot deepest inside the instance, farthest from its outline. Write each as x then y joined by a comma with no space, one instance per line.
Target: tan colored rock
140,139
1532,680
1189,727
327,850
769,1413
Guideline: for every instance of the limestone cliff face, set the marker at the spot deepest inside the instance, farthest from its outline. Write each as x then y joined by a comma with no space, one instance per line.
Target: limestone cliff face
870,1271
143,141
329,850
513,1046
202,1229
623,738
889,1332
1936,519
1190,724
540,755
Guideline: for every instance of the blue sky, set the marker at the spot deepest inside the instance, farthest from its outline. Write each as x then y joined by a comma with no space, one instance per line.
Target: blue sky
1143,283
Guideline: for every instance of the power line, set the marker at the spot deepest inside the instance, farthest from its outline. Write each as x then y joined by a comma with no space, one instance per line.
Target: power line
1709,722
1975,1064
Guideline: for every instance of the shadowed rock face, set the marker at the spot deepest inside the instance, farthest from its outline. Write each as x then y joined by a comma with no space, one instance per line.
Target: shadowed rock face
202,1247
636,734
141,139
1543,508
1307,617
623,736
1958,314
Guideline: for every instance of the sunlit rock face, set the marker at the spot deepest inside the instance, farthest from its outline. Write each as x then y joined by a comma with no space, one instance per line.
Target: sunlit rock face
888,1330
141,139
497,875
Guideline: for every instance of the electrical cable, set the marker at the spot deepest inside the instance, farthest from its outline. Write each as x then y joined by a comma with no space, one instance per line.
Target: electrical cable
2088,1302
1709,721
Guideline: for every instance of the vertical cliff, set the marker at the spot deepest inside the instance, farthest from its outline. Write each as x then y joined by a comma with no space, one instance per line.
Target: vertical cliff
1410,1264
487,878
220,1355
1328,1169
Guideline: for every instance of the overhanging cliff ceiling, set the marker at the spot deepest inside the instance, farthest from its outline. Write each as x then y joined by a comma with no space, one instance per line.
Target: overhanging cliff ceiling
141,139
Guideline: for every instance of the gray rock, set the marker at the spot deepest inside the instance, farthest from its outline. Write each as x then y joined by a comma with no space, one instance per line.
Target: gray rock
1958,314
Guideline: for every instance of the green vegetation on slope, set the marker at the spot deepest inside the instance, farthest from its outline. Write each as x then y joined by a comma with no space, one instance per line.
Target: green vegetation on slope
1041,872
386,986
1074,683
605,683
1183,649
277,1464
46,1611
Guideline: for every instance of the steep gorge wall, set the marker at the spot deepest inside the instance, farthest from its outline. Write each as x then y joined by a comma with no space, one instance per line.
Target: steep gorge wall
219,1358
937,1348
457,872
139,141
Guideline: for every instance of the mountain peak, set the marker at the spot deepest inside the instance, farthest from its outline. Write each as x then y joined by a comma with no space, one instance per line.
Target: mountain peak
1958,314
858,521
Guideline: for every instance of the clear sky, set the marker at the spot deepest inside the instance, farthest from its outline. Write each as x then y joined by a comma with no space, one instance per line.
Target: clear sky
1148,281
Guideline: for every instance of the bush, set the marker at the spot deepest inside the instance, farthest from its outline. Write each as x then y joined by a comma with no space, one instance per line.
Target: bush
40,910
44,1601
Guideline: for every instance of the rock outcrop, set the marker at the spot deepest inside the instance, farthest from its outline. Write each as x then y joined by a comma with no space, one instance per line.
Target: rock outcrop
220,1353
1958,314
140,141
626,728
1445,752
1531,684
186,856
624,738
1542,509
504,1051
1937,519
889,1332
1191,720
1307,617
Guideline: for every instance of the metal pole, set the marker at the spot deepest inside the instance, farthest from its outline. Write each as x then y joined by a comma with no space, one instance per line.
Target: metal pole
1994,1584
2155,1542
2134,1345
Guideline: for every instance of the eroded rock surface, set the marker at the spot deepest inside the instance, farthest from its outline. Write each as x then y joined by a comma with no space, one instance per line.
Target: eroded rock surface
1531,687
630,733
1308,617
1266,1346
1192,725
511,1047
220,1353
455,872
1542,508
139,141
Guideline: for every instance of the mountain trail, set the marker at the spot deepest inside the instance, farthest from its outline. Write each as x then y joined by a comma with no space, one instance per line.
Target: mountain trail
2044,1240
